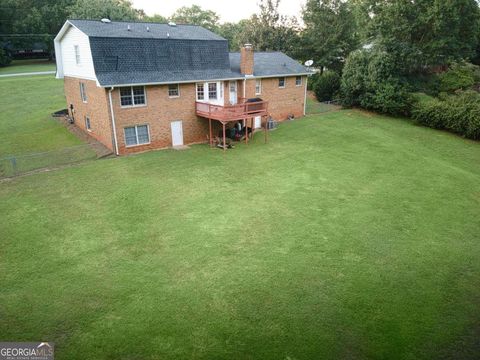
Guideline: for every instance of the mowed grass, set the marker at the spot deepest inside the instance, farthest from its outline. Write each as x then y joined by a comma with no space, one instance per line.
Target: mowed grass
26,125
25,66
347,236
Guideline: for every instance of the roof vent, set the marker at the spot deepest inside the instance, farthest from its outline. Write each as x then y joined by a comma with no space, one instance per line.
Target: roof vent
168,35
105,21
171,23
148,29
129,28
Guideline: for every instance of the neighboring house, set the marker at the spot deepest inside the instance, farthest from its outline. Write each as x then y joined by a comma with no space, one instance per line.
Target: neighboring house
140,86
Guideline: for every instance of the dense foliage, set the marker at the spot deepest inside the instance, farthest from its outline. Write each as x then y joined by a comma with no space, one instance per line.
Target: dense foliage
5,58
458,113
370,81
326,86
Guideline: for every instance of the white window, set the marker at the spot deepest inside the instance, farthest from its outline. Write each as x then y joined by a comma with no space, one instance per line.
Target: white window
137,135
258,86
77,54
83,92
212,91
281,82
200,92
173,90
132,96
298,81
87,123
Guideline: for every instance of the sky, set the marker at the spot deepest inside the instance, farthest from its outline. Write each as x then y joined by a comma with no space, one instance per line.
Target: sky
229,11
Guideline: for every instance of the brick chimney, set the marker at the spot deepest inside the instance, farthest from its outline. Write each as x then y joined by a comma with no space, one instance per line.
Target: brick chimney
246,59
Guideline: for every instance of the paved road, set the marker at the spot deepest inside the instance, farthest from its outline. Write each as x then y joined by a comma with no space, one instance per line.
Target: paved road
29,73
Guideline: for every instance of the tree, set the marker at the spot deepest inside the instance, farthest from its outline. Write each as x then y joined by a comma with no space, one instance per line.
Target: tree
269,30
423,33
330,32
197,16
110,9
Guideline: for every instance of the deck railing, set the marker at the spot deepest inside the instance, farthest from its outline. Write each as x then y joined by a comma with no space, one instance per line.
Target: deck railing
231,112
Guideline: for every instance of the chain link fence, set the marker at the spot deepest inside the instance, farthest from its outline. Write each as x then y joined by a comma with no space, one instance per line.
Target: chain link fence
14,165
315,107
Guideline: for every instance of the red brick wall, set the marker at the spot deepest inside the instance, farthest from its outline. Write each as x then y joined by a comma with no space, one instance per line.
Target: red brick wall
158,113
96,107
281,101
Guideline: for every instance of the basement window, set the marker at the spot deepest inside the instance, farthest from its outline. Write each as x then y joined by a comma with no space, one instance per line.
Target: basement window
281,82
132,96
173,90
87,123
137,135
83,92
298,81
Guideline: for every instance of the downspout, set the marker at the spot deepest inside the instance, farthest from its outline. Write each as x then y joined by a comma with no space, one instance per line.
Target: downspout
305,99
113,121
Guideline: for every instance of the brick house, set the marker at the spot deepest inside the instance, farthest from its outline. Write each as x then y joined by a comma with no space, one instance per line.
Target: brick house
140,86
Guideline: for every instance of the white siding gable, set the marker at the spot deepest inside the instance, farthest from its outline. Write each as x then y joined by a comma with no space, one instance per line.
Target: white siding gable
67,62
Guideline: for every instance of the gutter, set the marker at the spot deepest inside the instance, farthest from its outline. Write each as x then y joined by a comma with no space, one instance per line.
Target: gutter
114,126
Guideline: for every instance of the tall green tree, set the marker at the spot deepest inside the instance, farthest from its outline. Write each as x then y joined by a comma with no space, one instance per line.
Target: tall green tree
196,15
269,30
423,33
330,32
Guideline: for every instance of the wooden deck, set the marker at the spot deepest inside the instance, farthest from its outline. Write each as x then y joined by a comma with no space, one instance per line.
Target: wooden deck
232,112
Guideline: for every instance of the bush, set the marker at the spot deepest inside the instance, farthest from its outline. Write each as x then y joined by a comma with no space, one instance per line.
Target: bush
5,58
456,113
460,76
327,86
312,81
370,80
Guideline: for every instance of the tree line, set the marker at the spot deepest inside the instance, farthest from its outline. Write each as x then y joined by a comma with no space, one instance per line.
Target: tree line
418,34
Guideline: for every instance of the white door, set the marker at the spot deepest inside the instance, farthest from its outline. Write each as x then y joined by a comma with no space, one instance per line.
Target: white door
177,133
232,85
258,122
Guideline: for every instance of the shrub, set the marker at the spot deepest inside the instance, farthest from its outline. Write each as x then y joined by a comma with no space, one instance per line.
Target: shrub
327,86
460,76
456,113
5,58
370,80
312,81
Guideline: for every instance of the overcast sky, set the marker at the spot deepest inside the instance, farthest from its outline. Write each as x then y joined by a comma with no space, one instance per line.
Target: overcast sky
229,11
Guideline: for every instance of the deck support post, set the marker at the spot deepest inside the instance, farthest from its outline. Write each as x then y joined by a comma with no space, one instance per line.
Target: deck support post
224,138
210,131
245,121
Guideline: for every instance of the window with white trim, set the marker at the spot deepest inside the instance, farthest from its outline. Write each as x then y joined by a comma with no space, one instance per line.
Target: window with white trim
87,123
298,81
76,49
212,91
137,135
173,90
281,82
132,96
258,86
83,92
200,91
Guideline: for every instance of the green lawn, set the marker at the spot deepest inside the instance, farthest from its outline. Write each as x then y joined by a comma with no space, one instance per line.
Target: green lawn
24,66
348,236
26,125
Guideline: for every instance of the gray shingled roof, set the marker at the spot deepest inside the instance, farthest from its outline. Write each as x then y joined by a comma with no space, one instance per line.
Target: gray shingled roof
115,29
122,61
270,64
169,54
